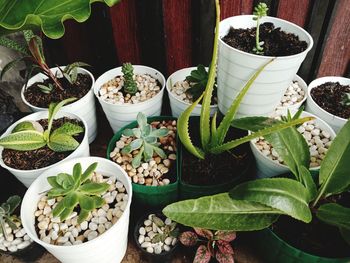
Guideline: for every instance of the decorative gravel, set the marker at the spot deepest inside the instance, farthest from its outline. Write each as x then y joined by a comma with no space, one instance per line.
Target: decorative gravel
150,229
148,87
16,239
154,171
51,230
293,95
319,141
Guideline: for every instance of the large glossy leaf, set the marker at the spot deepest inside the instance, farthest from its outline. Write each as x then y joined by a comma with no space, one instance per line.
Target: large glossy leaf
287,195
49,15
220,212
307,180
62,143
334,173
335,215
69,129
23,141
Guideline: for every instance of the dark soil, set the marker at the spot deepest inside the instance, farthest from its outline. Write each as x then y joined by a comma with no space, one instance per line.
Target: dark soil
43,157
79,89
277,43
329,96
316,238
214,169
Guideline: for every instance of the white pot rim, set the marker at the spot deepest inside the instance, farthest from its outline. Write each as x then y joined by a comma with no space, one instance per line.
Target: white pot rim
172,94
75,160
270,18
326,79
111,71
85,71
46,167
329,129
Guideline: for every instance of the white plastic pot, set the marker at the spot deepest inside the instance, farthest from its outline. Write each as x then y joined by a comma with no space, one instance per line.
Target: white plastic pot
28,176
334,121
236,67
177,105
120,115
109,247
296,106
84,107
268,168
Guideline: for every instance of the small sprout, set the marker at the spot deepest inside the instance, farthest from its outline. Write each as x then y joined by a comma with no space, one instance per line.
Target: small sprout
130,85
77,190
6,214
346,100
70,72
259,11
170,230
45,89
146,141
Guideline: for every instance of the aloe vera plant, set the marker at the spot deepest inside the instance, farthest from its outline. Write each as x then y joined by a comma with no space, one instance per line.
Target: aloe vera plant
6,214
29,135
77,190
213,137
146,141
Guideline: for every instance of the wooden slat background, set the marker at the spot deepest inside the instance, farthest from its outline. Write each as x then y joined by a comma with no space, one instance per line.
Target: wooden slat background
173,34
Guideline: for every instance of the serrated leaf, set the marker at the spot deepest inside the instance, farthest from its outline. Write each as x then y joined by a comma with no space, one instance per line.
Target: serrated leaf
224,258
202,255
88,172
188,238
225,235
334,214
68,129
61,178
204,233
62,143
224,247
94,188
23,141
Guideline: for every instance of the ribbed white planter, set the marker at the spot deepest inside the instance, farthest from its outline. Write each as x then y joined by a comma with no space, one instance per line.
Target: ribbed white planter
109,247
28,176
334,121
120,115
268,168
84,107
235,67
177,105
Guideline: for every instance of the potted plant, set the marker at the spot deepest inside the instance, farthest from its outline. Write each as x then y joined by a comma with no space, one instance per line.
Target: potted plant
123,93
218,152
185,86
309,217
41,140
246,43
14,240
329,99
148,153
54,84
79,210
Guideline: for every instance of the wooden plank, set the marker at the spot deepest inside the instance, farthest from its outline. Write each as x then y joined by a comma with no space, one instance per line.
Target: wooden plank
247,7
230,8
294,11
336,53
125,31
177,34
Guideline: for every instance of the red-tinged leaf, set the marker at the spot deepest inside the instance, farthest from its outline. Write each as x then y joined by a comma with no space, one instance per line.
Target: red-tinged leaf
204,233
202,255
188,238
225,247
225,235
224,258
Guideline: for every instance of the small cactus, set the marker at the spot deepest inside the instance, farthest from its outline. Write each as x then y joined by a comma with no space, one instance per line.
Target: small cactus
130,85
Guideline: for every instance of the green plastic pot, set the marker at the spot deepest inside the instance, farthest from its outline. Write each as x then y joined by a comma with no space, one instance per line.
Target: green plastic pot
155,196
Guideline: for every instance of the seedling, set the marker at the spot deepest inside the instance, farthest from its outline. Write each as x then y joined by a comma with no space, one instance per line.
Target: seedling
259,11
146,141
6,214
130,85
346,99
168,230
77,190
29,135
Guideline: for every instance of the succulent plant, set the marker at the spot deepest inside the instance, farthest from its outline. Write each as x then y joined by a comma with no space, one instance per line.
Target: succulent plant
146,141
130,85
346,99
6,214
29,135
259,11
77,190
216,245
170,230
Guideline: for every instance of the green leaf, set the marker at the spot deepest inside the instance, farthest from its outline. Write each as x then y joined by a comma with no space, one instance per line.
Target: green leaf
46,15
160,132
94,188
13,202
136,161
24,126
52,181
58,209
71,200
98,201
12,44
148,151
141,120
66,213
345,233
62,143
23,141
128,132
88,172
54,108
9,66
135,144
83,215
75,65
62,177
335,215
55,192
334,173
86,202
287,195
307,180
68,129
220,212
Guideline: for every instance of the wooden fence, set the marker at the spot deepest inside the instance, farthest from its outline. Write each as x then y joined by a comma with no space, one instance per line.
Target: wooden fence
172,34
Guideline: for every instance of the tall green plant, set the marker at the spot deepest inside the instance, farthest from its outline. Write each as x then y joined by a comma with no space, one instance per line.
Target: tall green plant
259,11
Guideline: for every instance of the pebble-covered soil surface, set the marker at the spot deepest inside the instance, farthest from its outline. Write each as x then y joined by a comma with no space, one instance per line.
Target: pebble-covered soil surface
293,95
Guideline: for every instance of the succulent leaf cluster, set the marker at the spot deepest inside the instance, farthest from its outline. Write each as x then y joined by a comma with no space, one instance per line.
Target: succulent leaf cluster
259,11
77,190
146,141
29,135
130,85
6,214
170,230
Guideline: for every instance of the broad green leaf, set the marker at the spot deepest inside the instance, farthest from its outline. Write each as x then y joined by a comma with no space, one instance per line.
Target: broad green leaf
88,172
160,152
334,173
220,212
55,192
62,143
86,202
61,178
135,144
77,172
24,126
71,200
98,201
345,233
13,202
307,180
23,141
128,132
94,188
68,129
141,120
82,215
148,152
160,132
54,108
65,213
46,15
58,209
52,181
287,195
335,215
